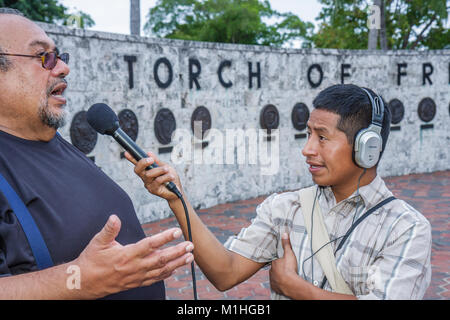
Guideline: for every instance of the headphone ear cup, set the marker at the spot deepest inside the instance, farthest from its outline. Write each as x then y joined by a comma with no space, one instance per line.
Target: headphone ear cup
367,148
356,147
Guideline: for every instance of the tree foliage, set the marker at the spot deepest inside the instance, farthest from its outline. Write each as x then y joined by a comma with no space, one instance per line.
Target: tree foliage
410,24
49,11
229,21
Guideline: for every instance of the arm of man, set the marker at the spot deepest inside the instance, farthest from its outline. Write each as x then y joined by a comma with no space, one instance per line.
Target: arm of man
105,267
222,267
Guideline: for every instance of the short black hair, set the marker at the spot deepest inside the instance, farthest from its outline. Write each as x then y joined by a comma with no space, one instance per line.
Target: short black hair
353,106
5,63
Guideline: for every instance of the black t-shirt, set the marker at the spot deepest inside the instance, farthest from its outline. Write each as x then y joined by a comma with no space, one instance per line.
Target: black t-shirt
70,199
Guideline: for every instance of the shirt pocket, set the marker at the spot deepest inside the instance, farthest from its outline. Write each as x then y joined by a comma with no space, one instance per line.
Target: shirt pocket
358,277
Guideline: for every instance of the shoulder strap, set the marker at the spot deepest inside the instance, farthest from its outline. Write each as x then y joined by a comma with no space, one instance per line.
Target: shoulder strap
325,256
354,225
37,243
365,215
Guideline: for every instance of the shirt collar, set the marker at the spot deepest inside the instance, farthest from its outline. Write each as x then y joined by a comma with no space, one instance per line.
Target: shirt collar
370,195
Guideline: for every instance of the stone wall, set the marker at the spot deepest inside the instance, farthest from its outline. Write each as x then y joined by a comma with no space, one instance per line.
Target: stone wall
235,83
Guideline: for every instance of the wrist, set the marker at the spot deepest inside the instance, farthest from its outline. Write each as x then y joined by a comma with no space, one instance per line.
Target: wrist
89,288
293,286
175,202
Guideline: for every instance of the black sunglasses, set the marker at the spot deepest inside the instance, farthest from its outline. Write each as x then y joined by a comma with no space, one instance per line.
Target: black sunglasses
49,59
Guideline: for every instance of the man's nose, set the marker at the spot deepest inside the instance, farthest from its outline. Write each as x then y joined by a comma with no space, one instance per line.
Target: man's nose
310,148
61,69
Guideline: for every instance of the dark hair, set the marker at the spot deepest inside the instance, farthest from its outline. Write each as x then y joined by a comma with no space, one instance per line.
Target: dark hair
353,106
5,63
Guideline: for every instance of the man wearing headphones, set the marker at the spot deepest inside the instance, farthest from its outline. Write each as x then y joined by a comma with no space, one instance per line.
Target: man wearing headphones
347,237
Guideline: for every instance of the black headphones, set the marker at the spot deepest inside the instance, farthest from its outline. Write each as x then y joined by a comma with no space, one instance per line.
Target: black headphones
368,141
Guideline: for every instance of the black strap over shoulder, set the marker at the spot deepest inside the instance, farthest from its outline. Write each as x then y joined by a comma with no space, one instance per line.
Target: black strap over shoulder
354,225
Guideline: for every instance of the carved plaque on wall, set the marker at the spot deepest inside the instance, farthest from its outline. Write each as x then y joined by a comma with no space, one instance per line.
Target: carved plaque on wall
82,135
165,125
300,116
129,123
269,118
427,109
397,111
203,115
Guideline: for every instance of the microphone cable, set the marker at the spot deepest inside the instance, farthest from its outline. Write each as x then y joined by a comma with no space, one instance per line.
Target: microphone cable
172,187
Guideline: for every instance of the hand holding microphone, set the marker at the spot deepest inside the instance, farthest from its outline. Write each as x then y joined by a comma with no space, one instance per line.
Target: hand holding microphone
155,180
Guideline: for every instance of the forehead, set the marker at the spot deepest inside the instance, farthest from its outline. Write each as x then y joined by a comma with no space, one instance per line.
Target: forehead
20,35
323,119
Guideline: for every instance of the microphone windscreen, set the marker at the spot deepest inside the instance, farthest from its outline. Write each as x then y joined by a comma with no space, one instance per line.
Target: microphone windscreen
102,118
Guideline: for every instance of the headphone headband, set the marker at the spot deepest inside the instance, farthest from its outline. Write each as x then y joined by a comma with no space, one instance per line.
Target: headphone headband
377,109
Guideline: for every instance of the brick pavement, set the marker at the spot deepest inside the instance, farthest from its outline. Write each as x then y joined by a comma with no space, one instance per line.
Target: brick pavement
429,193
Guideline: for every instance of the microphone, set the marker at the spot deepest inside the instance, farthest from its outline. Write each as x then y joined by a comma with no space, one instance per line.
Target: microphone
105,121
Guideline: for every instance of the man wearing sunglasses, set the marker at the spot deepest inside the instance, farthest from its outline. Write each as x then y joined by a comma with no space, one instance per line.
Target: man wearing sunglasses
88,224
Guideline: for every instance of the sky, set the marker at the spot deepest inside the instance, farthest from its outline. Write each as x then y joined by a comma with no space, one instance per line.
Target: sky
114,15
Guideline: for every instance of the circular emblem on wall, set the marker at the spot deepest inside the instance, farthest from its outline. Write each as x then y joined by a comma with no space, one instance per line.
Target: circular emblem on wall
201,114
269,118
300,116
129,123
165,125
397,111
427,109
82,135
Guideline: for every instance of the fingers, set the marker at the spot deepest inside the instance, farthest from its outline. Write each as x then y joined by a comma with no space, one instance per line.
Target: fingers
286,242
166,257
154,173
130,158
148,245
161,263
168,269
160,175
110,231
143,163
149,175
155,157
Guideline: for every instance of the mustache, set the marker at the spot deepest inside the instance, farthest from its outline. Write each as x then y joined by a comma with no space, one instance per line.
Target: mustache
53,86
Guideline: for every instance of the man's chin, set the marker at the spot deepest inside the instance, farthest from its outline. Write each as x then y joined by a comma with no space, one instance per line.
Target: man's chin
54,120
320,182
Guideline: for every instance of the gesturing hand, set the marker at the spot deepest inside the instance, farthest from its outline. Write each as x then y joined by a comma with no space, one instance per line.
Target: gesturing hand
108,267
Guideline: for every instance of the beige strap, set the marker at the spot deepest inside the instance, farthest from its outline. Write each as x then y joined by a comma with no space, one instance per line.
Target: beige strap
320,237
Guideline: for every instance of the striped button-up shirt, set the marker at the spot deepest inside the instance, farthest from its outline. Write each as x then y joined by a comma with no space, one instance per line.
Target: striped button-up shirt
387,256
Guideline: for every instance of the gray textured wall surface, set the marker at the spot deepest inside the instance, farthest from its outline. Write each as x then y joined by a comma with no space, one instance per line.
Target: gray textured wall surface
99,73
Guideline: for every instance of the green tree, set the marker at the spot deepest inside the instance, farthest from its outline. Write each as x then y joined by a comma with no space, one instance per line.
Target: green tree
410,24
49,11
227,21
